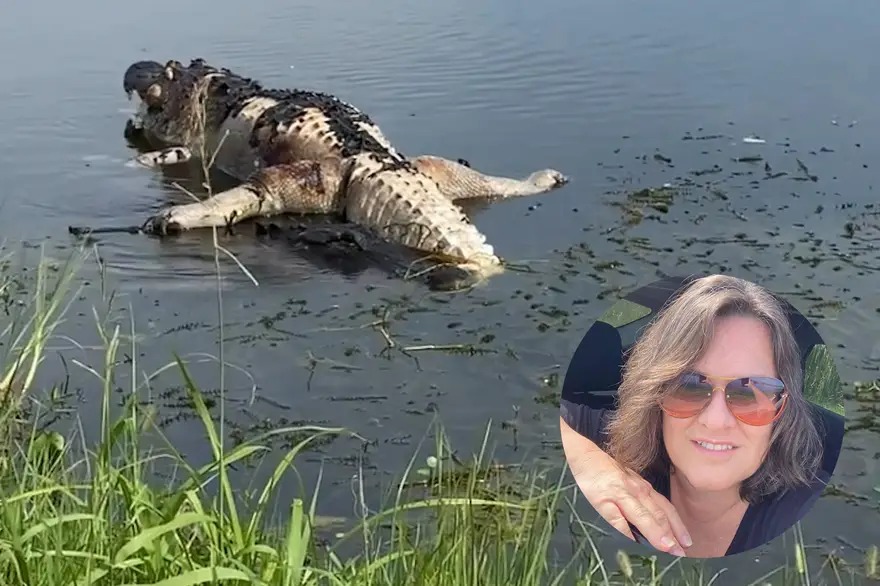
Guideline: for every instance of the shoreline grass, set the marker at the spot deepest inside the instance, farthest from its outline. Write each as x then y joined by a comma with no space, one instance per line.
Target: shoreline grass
75,513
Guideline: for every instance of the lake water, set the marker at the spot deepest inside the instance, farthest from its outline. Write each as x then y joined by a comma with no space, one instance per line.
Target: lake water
595,91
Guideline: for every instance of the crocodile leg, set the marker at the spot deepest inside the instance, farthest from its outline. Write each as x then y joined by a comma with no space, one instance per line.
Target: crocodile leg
164,157
338,234
303,187
345,237
326,235
320,235
459,181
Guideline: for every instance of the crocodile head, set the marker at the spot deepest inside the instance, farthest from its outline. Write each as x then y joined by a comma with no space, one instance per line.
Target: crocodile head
168,96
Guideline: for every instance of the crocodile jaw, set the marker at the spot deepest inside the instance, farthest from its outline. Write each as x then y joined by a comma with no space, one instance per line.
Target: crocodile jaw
141,75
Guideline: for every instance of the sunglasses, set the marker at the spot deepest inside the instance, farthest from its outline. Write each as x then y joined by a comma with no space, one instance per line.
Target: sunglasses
754,400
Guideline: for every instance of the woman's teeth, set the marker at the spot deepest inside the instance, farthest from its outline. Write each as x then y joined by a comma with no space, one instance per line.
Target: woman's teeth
715,447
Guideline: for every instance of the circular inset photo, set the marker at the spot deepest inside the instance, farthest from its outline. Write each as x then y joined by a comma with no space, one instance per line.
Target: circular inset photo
702,416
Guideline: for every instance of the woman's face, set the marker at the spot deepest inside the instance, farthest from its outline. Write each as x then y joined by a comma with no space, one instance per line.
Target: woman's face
741,346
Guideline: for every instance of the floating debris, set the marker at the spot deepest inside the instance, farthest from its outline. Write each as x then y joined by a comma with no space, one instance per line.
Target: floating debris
659,199
806,171
689,136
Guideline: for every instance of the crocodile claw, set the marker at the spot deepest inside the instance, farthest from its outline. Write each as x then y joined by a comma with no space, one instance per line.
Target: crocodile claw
161,225
450,278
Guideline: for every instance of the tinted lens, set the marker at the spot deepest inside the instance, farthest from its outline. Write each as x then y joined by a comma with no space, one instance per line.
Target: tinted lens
689,398
755,400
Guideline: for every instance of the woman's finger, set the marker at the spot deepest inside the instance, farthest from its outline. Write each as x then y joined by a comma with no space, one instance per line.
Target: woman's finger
648,517
611,513
623,498
678,526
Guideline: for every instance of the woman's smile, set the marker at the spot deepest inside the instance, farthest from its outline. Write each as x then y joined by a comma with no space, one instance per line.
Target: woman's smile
715,449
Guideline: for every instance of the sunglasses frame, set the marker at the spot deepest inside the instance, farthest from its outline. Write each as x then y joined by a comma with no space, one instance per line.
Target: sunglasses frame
726,380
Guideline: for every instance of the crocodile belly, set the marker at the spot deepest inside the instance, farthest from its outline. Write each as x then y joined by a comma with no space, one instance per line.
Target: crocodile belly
235,154
404,206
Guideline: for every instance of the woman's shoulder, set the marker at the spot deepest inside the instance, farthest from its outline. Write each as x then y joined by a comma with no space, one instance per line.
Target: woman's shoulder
594,373
590,422
589,389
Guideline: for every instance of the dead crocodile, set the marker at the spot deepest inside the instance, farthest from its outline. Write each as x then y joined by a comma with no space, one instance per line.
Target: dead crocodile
305,152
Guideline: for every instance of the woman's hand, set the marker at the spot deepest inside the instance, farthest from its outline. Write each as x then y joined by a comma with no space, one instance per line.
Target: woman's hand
621,496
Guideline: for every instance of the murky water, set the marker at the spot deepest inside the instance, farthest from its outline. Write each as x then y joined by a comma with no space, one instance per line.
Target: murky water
594,92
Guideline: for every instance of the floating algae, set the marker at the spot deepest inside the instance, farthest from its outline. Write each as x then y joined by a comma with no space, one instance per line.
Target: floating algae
656,198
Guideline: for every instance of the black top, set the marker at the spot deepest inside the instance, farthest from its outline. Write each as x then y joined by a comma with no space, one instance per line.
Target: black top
589,393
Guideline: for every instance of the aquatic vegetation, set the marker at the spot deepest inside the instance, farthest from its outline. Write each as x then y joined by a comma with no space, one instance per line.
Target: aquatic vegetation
129,508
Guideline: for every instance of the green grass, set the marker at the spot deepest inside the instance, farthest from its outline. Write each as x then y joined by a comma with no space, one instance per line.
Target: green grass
72,512
822,383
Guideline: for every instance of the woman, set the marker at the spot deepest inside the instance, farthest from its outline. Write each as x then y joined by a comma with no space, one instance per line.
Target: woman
712,448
